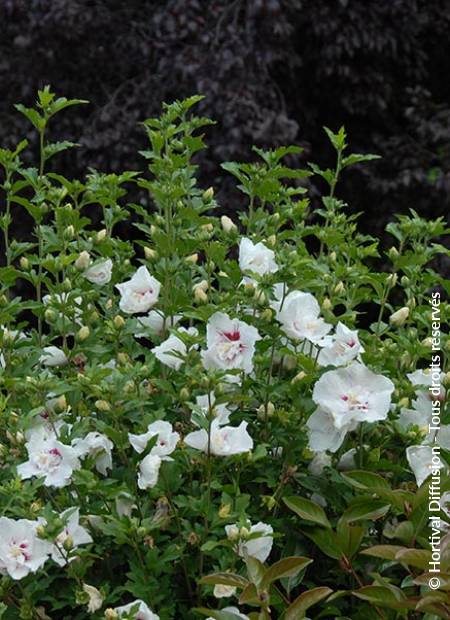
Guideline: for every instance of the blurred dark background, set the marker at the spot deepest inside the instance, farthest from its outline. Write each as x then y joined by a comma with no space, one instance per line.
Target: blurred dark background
273,72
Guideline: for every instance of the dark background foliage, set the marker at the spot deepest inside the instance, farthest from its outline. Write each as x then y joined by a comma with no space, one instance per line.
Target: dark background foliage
273,72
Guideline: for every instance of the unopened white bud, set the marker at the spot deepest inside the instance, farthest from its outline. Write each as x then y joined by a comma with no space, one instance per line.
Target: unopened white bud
227,224
398,318
83,261
101,235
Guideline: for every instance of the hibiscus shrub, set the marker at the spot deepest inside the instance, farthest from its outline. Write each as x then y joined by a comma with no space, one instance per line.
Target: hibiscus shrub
218,419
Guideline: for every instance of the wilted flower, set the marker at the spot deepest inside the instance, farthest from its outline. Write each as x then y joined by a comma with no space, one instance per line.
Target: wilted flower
222,591
95,598
140,293
149,471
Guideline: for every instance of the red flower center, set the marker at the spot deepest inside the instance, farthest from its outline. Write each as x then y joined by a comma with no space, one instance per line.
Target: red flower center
232,336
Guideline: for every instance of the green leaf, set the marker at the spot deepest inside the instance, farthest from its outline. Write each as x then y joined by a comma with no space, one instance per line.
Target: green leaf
381,596
356,158
33,116
365,480
225,579
366,509
57,147
414,557
302,603
307,510
349,537
287,567
255,570
385,552
325,539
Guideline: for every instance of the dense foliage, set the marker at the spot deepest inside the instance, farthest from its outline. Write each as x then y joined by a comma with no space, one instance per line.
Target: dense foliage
273,72
207,413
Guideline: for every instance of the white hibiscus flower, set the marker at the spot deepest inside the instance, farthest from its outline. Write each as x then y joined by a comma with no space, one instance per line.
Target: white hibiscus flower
172,351
223,440
300,320
353,393
21,551
139,293
165,444
230,343
50,459
343,348
256,257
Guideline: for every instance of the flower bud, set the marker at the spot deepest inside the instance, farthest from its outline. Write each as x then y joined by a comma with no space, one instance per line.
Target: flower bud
24,263
272,240
123,358
326,304
203,284
267,315
83,261
339,288
200,296
398,318
109,304
68,543
244,532
208,194
111,614
427,342
149,253
118,321
153,229
403,402
333,256
40,531
224,511
83,333
411,303
266,411
101,235
69,232
393,253
208,227
233,532
392,279
228,225
404,281
192,259
67,285
102,405
184,394
60,404
299,376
